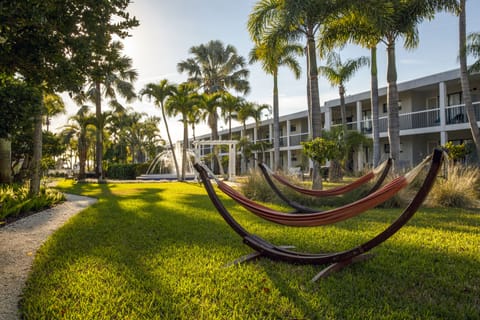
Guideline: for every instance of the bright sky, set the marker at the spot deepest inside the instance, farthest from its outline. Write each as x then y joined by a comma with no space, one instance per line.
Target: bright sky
168,29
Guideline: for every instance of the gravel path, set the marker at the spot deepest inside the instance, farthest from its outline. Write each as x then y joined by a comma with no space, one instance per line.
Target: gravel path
19,242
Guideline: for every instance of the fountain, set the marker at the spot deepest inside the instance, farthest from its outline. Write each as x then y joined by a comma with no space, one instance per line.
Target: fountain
163,166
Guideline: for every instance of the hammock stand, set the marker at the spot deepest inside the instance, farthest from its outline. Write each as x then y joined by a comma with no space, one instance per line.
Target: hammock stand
338,260
381,171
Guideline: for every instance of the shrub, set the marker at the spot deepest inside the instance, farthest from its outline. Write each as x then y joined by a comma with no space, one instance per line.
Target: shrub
126,171
457,189
16,200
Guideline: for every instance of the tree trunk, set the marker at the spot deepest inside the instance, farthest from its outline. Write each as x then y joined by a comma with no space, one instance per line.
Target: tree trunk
99,134
5,161
374,101
185,146
392,102
343,109
37,153
276,124
467,99
175,161
316,119
82,156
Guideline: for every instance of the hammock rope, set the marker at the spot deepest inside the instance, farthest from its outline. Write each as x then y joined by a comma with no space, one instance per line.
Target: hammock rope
334,191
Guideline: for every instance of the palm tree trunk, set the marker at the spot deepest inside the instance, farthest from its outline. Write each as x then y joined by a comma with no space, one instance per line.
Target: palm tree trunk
392,102
343,111
316,115
374,101
276,124
185,146
175,161
467,99
82,157
37,153
99,133
5,160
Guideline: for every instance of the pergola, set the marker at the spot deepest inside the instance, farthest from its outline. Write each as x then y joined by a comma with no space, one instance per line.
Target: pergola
231,153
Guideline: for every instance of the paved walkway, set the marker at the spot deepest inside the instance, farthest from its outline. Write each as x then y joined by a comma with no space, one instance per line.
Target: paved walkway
20,240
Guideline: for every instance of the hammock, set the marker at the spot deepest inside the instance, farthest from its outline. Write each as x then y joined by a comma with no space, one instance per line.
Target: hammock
339,259
382,170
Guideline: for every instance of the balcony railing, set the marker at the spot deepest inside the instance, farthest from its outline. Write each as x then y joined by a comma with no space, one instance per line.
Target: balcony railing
420,119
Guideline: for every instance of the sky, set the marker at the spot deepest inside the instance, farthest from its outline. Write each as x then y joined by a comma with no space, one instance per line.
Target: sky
168,29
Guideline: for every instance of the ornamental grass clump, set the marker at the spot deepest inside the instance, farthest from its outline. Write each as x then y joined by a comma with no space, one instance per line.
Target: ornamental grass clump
457,188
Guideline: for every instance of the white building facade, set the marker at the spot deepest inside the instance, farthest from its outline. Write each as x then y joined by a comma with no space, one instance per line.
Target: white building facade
431,113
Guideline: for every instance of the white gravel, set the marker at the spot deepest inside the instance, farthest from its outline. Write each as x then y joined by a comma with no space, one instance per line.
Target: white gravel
20,240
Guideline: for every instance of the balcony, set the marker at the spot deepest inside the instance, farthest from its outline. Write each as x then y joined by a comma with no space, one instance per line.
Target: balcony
420,119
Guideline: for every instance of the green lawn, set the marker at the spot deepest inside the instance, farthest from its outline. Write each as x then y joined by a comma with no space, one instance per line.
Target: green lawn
158,251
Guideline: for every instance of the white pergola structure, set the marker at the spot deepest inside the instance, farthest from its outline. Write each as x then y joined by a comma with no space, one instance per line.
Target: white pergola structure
231,153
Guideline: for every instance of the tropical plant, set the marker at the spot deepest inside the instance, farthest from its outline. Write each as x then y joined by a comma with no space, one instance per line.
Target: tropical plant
473,48
160,92
338,73
180,103
54,105
111,76
78,127
272,56
229,106
271,20
216,68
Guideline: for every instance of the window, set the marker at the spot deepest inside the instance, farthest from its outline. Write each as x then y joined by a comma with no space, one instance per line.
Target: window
386,148
454,99
293,128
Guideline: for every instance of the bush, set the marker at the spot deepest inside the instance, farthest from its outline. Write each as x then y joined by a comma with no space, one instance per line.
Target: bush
16,200
459,188
126,171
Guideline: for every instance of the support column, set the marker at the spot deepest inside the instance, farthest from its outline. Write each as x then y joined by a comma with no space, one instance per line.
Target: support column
328,118
231,162
442,103
359,116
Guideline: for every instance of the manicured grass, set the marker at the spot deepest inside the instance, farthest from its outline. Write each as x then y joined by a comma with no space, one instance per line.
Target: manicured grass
158,251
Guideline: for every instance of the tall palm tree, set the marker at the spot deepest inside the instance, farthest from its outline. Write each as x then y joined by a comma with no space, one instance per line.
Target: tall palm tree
391,20
216,68
281,53
54,105
180,103
338,72
160,92
111,76
289,19
467,98
354,26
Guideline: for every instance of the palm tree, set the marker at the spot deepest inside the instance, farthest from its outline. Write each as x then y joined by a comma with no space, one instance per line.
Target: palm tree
111,76
338,73
288,19
473,48
180,103
353,26
389,21
467,99
281,53
54,105
81,121
160,92
229,106
208,103
216,68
